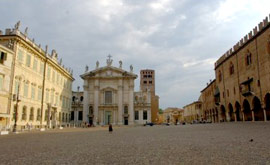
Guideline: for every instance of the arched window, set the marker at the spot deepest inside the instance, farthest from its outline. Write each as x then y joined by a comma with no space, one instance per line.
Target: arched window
231,68
126,110
24,113
73,98
31,115
248,58
38,114
81,98
219,76
90,110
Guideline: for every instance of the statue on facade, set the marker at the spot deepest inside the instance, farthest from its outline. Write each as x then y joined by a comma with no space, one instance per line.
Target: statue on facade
26,31
60,61
131,68
97,64
86,68
120,64
46,49
109,61
17,25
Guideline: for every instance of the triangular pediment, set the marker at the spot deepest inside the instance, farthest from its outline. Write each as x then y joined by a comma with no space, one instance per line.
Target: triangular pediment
108,71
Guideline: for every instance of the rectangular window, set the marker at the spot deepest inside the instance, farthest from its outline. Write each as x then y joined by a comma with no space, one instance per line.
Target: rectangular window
136,115
39,93
33,92
3,57
25,93
1,81
35,64
108,97
48,73
56,100
47,96
144,115
41,67
53,76
57,79
28,60
52,97
20,55
80,115
16,87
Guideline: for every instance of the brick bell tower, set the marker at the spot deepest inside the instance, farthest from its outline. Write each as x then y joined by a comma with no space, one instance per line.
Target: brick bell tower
147,83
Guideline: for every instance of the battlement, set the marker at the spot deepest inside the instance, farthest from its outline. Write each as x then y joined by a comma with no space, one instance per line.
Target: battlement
246,39
24,35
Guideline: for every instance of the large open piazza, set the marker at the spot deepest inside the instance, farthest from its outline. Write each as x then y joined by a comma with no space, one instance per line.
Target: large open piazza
225,143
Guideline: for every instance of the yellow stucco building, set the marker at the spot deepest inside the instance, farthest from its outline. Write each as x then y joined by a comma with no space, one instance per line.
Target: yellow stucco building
41,85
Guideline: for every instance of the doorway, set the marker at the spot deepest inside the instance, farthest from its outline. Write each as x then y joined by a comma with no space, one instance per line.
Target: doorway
108,116
126,121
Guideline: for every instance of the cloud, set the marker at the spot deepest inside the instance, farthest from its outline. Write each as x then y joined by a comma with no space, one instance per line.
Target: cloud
179,39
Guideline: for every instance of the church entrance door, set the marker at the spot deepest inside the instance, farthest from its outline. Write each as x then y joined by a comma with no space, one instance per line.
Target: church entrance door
108,116
126,121
90,120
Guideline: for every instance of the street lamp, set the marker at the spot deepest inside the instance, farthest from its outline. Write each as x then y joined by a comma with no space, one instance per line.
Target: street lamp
17,99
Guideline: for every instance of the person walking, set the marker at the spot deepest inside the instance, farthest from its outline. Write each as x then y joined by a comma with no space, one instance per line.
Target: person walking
110,128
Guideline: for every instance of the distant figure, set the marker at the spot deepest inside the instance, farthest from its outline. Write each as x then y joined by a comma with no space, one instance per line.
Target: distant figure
110,128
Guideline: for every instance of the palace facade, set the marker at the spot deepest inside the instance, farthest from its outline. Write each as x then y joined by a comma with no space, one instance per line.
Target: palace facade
109,97
241,91
40,86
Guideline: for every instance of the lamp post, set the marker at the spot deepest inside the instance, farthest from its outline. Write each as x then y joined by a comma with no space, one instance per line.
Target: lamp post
16,110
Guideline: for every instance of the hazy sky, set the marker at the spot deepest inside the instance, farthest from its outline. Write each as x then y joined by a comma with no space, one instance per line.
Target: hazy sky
179,39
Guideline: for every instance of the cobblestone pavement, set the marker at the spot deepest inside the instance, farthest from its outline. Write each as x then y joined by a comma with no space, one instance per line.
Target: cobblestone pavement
227,143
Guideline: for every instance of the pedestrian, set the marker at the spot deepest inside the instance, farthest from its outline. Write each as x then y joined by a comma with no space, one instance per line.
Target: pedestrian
110,128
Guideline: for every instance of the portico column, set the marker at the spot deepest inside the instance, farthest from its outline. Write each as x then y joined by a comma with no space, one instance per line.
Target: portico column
264,114
131,103
243,115
85,105
228,118
96,103
120,102
253,118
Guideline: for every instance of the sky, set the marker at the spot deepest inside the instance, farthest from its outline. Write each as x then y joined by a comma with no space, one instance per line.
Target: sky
179,39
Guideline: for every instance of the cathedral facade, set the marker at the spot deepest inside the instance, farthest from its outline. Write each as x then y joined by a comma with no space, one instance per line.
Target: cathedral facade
109,97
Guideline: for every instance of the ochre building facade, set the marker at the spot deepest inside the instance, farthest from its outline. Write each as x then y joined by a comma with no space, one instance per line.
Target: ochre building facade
241,91
40,92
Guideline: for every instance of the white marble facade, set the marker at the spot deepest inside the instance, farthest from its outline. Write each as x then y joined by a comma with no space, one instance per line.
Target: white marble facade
109,96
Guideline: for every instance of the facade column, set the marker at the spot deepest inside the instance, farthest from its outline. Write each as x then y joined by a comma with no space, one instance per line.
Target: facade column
96,103
114,122
253,118
228,118
131,102
243,115
85,105
264,114
102,122
120,102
